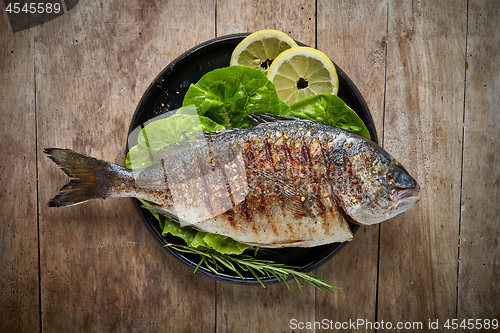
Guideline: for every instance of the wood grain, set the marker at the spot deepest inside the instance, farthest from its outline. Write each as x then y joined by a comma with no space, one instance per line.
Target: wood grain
102,271
296,18
479,267
19,296
359,49
354,35
423,130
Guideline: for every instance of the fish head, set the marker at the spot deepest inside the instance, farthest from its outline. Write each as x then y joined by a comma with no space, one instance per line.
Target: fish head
383,187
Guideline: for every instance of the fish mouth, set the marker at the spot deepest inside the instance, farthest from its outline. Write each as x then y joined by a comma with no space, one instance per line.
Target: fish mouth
407,192
407,196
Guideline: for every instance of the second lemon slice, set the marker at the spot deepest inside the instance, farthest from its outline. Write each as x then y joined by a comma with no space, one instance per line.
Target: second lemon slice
301,72
260,48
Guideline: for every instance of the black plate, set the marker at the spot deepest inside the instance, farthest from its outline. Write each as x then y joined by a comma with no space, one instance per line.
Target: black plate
167,92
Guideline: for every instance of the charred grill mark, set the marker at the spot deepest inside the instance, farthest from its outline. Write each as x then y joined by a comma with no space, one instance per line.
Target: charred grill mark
226,176
291,231
333,160
167,193
306,157
261,185
248,155
308,171
354,180
244,210
319,173
338,164
325,159
334,163
268,156
213,162
279,155
289,160
251,202
230,217
292,171
219,190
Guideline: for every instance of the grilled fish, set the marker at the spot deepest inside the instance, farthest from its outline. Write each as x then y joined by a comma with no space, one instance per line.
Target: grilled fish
283,183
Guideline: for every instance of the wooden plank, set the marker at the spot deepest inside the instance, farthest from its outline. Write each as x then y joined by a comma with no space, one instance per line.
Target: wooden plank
423,130
359,49
251,308
101,270
296,18
19,292
255,309
479,267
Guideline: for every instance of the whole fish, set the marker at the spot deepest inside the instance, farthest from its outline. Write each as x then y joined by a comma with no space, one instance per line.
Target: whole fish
285,182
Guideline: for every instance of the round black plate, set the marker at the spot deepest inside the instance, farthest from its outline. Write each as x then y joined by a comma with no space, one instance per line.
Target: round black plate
167,92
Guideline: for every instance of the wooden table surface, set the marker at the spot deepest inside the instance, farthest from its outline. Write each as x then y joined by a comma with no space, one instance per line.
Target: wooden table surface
430,74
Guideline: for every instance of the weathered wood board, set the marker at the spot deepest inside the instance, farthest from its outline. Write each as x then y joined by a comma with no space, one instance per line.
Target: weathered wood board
479,266
102,271
359,50
19,281
423,129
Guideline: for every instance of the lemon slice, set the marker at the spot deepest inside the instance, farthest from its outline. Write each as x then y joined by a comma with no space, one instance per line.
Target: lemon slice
260,48
301,72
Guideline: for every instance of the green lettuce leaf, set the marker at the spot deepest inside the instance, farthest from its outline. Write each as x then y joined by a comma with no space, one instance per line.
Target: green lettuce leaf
226,95
330,110
167,225
224,244
197,239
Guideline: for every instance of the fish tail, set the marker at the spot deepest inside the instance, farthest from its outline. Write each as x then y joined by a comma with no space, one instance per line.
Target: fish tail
91,178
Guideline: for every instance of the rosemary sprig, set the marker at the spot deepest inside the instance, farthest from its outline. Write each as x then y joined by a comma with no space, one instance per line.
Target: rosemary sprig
216,262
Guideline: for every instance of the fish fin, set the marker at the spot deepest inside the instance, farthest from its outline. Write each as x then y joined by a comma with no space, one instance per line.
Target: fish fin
177,148
92,178
201,139
212,134
262,118
257,119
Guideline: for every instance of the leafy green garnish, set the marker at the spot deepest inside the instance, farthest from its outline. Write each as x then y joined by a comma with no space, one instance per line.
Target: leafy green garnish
217,262
330,110
226,95
200,239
